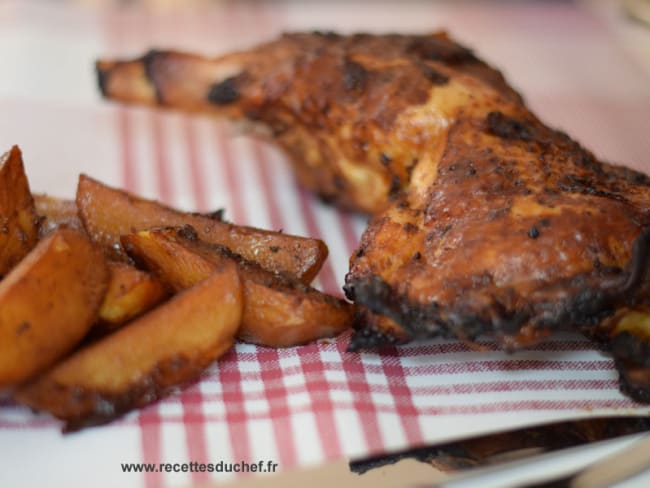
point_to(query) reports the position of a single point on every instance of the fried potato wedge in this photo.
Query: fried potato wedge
(108, 213)
(131, 292)
(18, 221)
(278, 311)
(142, 361)
(56, 212)
(48, 302)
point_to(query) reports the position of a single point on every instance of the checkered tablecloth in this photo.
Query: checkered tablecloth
(304, 405)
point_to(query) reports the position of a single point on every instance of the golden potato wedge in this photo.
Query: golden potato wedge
(131, 292)
(56, 212)
(142, 361)
(18, 221)
(48, 302)
(278, 311)
(108, 213)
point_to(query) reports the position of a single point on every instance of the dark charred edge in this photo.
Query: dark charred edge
(367, 335)
(637, 392)
(505, 127)
(508, 128)
(629, 347)
(572, 183)
(102, 79)
(430, 321)
(225, 92)
(326, 197)
(103, 407)
(434, 76)
(395, 186)
(217, 215)
(442, 50)
(354, 75)
(375, 294)
(148, 61)
(632, 176)
(348, 286)
(370, 338)
(188, 232)
(130, 256)
(461, 455)
(588, 306)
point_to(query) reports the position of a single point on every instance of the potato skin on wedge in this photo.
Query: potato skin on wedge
(142, 361)
(131, 292)
(48, 302)
(278, 311)
(18, 221)
(108, 213)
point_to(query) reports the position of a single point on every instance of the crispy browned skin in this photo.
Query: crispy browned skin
(348, 110)
(130, 293)
(48, 302)
(107, 213)
(372, 330)
(486, 221)
(18, 221)
(141, 362)
(278, 311)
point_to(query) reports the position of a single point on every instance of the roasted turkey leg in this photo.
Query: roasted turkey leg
(486, 222)
(356, 114)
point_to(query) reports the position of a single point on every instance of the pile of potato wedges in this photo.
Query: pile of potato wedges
(110, 301)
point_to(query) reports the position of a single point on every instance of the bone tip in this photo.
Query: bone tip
(102, 69)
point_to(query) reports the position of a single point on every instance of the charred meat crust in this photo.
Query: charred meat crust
(370, 333)
(307, 87)
(370, 338)
(354, 75)
(589, 299)
(436, 49)
(630, 347)
(635, 389)
(224, 92)
(433, 75)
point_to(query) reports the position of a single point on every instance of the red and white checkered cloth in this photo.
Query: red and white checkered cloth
(309, 404)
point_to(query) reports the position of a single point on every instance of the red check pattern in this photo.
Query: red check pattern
(309, 404)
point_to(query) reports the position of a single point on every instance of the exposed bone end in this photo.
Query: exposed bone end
(125, 81)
